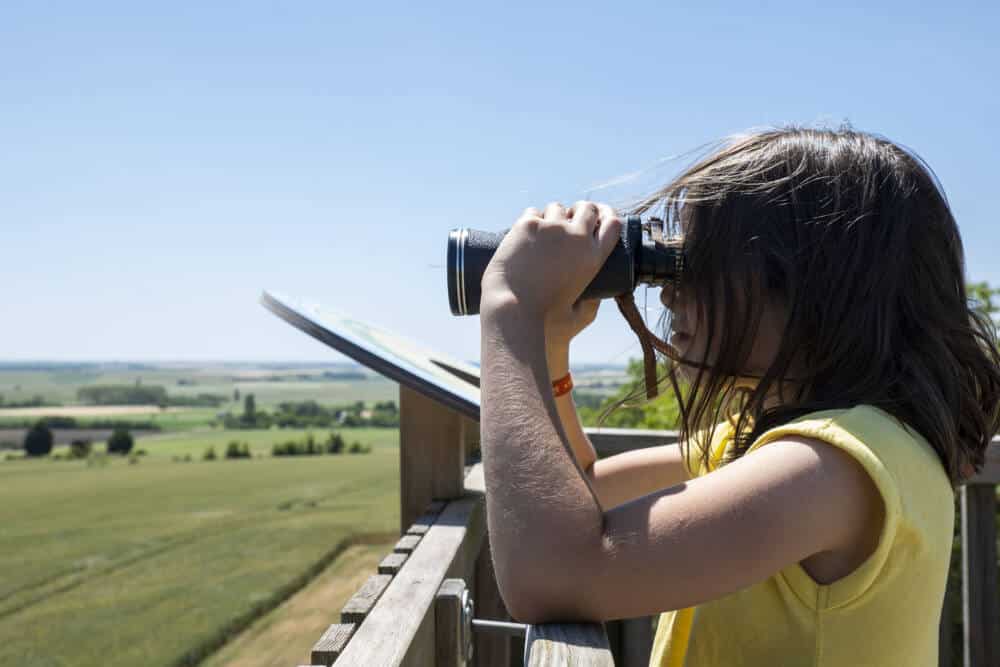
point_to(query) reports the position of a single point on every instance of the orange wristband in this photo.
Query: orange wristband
(563, 385)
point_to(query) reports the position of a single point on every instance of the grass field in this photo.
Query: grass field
(160, 562)
(286, 636)
(260, 441)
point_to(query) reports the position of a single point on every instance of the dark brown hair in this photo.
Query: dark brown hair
(854, 234)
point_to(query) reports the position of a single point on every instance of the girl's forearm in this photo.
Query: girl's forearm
(538, 500)
(583, 449)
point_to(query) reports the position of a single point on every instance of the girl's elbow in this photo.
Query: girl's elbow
(542, 591)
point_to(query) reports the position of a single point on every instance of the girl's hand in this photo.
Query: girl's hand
(546, 260)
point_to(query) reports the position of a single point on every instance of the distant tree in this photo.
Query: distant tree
(120, 442)
(334, 444)
(119, 394)
(80, 448)
(249, 409)
(985, 298)
(660, 413)
(237, 450)
(209, 454)
(236, 395)
(38, 440)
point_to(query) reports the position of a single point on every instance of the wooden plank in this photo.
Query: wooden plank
(392, 563)
(363, 601)
(471, 438)
(491, 650)
(449, 630)
(332, 643)
(464, 565)
(981, 608)
(421, 524)
(406, 544)
(400, 629)
(560, 644)
(431, 455)
(611, 441)
(475, 480)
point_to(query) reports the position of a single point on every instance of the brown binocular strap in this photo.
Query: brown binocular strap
(648, 340)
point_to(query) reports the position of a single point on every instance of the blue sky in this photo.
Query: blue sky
(159, 166)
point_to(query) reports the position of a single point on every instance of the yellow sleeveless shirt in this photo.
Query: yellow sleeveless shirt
(884, 613)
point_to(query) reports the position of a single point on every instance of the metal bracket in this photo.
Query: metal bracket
(468, 609)
(500, 627)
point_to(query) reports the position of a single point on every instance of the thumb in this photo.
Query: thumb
(585, 311)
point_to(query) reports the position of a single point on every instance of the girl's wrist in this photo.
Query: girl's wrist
(557, 356)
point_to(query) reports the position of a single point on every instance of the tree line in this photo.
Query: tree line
(38, 441)
(311, 414)
(140, 394)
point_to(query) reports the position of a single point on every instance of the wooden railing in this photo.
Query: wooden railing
(416, 609)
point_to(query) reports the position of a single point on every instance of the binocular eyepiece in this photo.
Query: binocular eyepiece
(642, 255)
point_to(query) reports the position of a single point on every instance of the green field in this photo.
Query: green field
(158, 562)
(269, 385)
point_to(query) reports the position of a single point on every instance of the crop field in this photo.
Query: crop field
(160, 562)
(331, 384)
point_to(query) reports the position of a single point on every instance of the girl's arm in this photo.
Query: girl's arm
(558, 554)
(623, 477)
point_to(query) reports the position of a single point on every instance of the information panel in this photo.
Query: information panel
(450, 381)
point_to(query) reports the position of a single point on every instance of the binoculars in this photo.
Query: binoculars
(642, 255)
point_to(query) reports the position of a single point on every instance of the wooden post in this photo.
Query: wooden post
(470, 436)
(490, 650)
(981, 609)
(331, 644)
(431, 454)
(449, 625)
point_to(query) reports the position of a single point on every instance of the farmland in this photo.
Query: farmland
(271, 384)
(164, 558)
(159, 562)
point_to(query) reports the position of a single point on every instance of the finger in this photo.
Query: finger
(609, 231)
(555, 212)
(530, 213)
(586, 216)
(606, 212)
(587, 310)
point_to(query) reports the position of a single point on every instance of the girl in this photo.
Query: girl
(834, 388)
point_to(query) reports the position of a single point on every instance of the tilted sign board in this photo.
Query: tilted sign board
(452, 382)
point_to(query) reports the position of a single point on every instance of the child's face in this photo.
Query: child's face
(690, 337)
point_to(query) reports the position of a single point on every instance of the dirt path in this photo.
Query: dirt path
(286, 635)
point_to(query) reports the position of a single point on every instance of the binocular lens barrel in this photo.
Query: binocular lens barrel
(637, 258)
